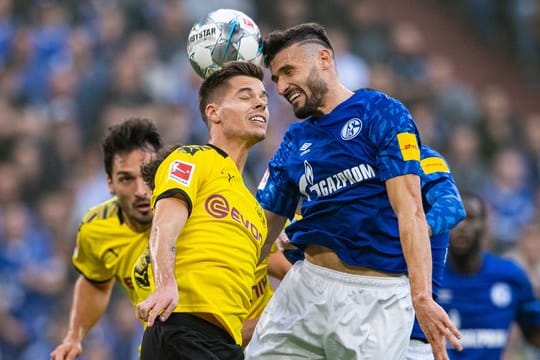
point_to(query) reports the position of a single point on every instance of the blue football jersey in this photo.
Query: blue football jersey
(337, 164)
(484, 305)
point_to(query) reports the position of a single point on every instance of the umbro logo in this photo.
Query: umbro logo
(304, 149)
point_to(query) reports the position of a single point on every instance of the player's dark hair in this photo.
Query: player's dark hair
(149, 169)
(303, 33)
(218, 80)
(131, 134)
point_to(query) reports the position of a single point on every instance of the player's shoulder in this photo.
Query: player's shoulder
(503, 265)
(373, 97)
(103, 211)
(197, 151)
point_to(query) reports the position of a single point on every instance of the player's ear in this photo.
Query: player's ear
(212, 113)
(110, 186)
(325, 58)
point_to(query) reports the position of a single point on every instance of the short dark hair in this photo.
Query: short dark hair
(218, 80)
(149, 169)
(280, 39)
(131, 134)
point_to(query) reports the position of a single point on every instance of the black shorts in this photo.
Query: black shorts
(185, 336)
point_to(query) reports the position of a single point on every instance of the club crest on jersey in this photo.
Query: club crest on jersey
(351, 129)
(501, 295)
(181, 172)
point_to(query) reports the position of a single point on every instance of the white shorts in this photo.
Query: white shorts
(318, 313)
(419, 350)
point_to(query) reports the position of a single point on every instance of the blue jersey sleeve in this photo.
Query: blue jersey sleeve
(444, 208)
(395, 136)
(528, 311)
(276, 192)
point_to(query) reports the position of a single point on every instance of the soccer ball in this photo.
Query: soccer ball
(223, 35)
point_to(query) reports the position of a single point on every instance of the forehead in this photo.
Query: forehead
(131, 160)
(248, 83)
(293, 55)
(473, 207)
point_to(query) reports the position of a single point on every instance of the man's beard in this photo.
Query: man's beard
(317, 89)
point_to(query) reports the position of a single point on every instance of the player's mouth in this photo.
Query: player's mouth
(143, 207)
(293, 95)
(259, 119)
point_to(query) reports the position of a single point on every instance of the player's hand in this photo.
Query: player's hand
(282, 241)
(247, 330)
(161, 303)
(68, 350)
(437, 327)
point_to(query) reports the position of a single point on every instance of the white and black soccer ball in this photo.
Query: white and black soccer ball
(223, 35)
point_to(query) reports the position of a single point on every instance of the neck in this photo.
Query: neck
(238, 151)
(467, 263)
(335, 96)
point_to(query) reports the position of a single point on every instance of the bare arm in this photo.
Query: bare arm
(275, 225)
(405, 198)
(90, 301)
(170, 216)
(278, 265)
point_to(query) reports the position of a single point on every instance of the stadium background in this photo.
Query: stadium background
(469, 70)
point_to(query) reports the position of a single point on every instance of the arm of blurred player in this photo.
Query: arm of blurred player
(405, 198)
(90, 301)
(170, 216)
(275, 226)
(278, 265)
(447, 209)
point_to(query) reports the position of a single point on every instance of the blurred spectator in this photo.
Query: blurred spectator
(408, 58)
(510, 198)
(454, 100)
(498, 126)
(468, 167)
(352, 69)
(532, 146)
(369, 35)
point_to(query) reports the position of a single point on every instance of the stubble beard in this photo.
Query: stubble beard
(317, 89)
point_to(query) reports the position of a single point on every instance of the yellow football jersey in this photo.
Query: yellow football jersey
(262, 291)
(107, 248)
(219, 246)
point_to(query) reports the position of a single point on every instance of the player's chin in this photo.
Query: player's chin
(143, 217)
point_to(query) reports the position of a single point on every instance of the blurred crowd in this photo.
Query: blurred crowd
(69, 69)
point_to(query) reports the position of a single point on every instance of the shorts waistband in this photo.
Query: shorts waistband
(362, 280)
(194, 322)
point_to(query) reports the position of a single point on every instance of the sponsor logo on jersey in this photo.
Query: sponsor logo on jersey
(478, 338)
(483, 338)
(218, 207)
(304, 149)
(181, 172)
(329, 185)
(500, 294)
(432, 165)
(259, 288)
(351, 129)
(408, 145)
